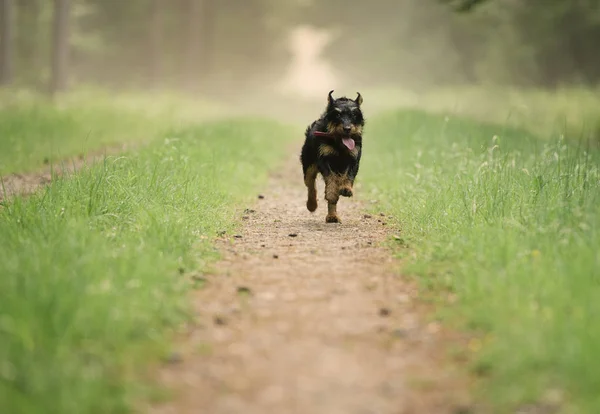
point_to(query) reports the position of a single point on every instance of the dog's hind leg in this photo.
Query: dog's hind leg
(310, 177)
(332, 195)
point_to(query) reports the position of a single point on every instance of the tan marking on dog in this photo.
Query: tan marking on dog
(325, 150)
(332, 185)
(356, 130)
(332, 216)
(333, 128)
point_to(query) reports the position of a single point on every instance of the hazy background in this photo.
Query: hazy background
(241, 49)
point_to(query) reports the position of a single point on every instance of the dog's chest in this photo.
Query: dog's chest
(331, 150)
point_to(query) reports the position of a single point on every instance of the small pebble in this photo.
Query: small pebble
(384, 312)
(243, 290)
(275, 256)
(174, 358)
(260, 196)
(238, 236)
(400, 333)
(367, 216)
(219, 320)
(462, 409)
(293, 234)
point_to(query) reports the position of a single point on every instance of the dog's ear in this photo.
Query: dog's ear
(359, 99)
(330, 98)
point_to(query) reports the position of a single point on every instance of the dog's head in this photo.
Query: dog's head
(344, 118)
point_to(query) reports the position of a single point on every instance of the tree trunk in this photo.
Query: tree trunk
(191, 41)
(199, 40)
(60, 50)
(6, 41)
(207, 19)
(29, 64)
(155, 32)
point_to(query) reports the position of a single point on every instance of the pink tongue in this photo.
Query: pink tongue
(348, 142)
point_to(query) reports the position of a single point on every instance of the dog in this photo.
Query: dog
(333, 148)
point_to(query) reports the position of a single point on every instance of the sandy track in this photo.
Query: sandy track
(306, 317)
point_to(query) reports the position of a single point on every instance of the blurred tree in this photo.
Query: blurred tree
(236, 45)
(416, 42)
(214, 44)
(28, 41)
(464, 5)
(540, 42)
(384, 41)
(199, 16)
(6, 41)
(60, 41)
(155, 34)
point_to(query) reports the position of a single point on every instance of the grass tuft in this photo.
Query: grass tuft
(95, 267)
(508, 224)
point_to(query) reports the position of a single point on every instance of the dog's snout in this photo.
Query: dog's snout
(347, 128)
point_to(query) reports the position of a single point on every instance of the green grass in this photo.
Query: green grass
(35, 132)
(510, 224)
(94, 267)
(574, 111)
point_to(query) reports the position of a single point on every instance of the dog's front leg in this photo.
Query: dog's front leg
(310, 178)
(345, 186)
(347, 181)
(332, 195)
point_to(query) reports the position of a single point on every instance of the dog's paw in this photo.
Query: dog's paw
(311, 204)
(332, 219)
(346, 192)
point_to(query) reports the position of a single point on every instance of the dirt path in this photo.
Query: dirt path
(307, 317)
(30, 182)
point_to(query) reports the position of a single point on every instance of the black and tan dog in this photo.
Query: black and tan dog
(333, 147)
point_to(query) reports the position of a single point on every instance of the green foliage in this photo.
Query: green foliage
(154, 42)
(508, 225)
(95, 267)
(389, 41)
(542, 42)
(422, 43)
(464, 5)
(233, 46)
